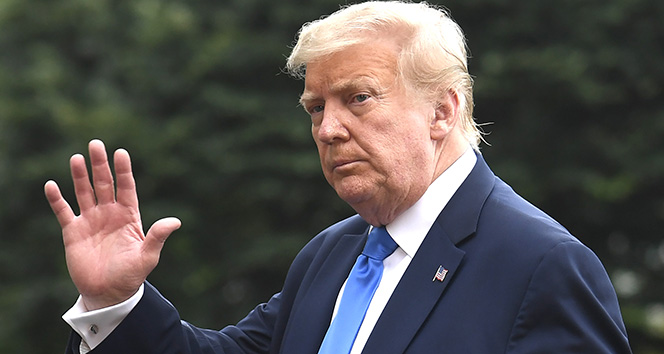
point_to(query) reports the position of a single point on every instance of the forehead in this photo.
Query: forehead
(357, 66)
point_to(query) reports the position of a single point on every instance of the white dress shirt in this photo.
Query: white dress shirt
(94, 326)
(408, 231)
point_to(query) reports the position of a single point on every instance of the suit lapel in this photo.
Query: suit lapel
(313, 307)
(418, 292)
(416, 295)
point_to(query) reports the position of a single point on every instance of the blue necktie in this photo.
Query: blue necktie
(360, 288)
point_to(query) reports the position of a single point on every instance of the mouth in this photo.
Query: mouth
(341, 165)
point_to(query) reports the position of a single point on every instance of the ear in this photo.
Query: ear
(446, 115)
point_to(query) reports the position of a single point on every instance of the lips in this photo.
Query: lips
(343, 164)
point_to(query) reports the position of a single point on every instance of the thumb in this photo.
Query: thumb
(159, 232)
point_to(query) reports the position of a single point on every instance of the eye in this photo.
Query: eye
(361, 97)
(316, 109)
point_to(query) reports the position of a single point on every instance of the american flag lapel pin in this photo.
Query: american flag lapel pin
(440, 274)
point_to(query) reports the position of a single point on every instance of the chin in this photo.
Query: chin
(352, 194)
(358, 188)
(352, 198)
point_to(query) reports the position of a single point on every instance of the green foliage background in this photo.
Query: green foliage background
(571, 92)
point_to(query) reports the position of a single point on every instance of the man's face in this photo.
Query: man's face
(373, 138)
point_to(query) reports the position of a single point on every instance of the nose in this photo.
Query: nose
(332, 127)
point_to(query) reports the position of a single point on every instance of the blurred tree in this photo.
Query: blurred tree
(195, 92)
(573, 91)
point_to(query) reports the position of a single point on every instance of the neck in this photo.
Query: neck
(447, 151)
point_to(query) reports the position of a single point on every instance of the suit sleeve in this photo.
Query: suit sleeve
(154, 326)
(570, 307)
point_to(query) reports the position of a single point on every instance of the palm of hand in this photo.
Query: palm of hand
(104, 251)
(108, 255)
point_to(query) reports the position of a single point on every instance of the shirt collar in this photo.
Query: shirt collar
(411, 227)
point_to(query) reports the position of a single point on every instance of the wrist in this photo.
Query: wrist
(95, 326)
(105, 300)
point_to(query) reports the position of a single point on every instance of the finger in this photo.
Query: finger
(125, 179)
(157, 235)
(102, 177)
(161, 229)
(85, 196)
(58, 204)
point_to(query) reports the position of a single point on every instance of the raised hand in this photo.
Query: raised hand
(108, 255)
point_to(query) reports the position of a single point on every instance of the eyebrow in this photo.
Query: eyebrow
(345, 85)
(307, 96)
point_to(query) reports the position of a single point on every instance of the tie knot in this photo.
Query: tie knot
(379, 244)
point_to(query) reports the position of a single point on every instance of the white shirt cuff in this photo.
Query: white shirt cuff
(94, 326)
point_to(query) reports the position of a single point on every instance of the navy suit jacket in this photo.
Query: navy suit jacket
(517, 282)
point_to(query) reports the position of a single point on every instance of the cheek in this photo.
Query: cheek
(322, 153)
(314, 134)
(410, 156)
(406, 144)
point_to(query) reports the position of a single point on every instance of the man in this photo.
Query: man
(473, 267)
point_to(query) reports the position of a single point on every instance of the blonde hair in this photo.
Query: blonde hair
(433, 57)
